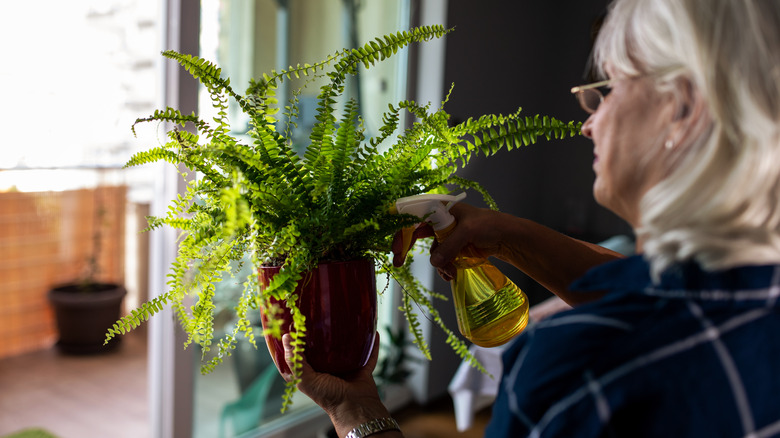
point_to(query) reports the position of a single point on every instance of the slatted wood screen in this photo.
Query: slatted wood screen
(46, 239)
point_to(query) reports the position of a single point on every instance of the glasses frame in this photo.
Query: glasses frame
(580, 90)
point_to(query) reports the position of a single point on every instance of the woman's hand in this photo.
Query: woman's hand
(477, 233)
(399, 252)
(350, 400)
(547, 256)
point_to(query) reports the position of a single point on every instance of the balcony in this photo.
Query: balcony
(94, 396)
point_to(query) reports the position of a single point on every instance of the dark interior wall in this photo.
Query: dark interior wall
(529, 53)
(502, 55)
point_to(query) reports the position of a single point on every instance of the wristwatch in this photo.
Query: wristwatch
(372, 427)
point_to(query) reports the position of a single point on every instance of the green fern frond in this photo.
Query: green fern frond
(473, 185)
(226, 345)
(151, 156)
(205, 71)
(137, 317)
(390, 120)
(180, 223)
(382, 48)
(242, 326)
(415, 293)
(272, 80)
(298, 342)
(411, 288)
(490, 133)
(170, 115)
(414, 326)
(334, 174)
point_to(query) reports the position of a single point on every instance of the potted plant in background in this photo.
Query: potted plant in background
(316, 226)
(85, 309)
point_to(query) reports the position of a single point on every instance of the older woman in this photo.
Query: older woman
(683, 339)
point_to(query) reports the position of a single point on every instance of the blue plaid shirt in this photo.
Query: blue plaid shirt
(697, 355)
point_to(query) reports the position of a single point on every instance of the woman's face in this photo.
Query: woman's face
(628, 131)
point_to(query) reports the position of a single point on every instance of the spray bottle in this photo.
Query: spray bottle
(489, 307)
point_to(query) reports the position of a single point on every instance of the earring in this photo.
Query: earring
(669, 144)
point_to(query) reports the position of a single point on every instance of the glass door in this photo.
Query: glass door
(247, 38)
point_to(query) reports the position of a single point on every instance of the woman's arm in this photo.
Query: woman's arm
(553, 259)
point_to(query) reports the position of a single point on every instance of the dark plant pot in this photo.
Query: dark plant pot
(338, 300)
(84, 314)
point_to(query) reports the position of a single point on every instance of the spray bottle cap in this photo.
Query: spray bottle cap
(429, 208)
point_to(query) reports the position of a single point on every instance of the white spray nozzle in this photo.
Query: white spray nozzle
(430, 208)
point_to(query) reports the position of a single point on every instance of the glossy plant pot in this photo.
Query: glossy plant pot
(338, 300)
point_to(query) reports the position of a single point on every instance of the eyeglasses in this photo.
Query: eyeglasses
(589, 95)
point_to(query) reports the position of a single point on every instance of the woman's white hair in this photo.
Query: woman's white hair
(720, 202)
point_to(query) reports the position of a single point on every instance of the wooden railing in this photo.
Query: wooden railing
(49, 238)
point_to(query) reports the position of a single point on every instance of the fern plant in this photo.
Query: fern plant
(261, 198)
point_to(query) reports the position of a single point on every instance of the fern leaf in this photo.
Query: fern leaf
(169, 115)
(151, 156)
(136, 317)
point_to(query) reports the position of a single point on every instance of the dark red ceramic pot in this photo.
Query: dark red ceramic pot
(339, 302)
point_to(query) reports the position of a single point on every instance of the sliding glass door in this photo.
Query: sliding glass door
(247, 38)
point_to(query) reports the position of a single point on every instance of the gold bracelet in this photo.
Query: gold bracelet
(372, 427)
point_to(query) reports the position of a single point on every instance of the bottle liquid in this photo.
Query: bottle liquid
(489, 307)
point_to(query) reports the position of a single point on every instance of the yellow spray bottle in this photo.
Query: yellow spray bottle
(490, 308)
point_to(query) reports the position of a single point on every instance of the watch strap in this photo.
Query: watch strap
(372, 427)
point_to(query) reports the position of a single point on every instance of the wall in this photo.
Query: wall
(507, 54)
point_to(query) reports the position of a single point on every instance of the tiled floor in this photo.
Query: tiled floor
(105, 396)
(97, 396)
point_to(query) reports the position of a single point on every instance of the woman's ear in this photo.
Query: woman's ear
(687, 97)
(690, 113)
